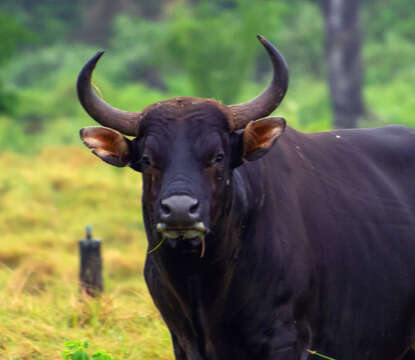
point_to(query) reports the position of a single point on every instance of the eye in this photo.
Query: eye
(218, 159)
(145, 161)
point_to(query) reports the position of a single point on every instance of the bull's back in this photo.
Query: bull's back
(354, 193)
(365, 246)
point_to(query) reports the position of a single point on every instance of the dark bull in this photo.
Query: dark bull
(310, 247)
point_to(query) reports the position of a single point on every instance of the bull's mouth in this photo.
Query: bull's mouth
(193, 236)
(185, 232)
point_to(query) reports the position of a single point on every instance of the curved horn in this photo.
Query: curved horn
(123, 121)
(265, 103)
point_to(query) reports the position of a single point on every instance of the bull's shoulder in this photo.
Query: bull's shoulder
(352, 156)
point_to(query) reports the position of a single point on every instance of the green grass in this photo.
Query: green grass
(46, 201)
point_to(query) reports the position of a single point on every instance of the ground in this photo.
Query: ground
(46, 200)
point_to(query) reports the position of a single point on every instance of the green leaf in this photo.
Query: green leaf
(80, 355)
(102, 355)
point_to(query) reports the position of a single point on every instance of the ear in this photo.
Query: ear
(109, 145)
(260, 135)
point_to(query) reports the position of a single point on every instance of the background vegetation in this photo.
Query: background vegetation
(51, 187)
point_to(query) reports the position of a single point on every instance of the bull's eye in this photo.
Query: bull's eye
(219, 158)
(145, 161)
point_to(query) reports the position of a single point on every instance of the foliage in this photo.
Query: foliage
(13, 35)
(202, 48)
(301, 38)
(50, 20)
(390, 59)
(216, 47)
(137, 45)
(77, 350)
(8, 100)
(49, 108)
(397, 18)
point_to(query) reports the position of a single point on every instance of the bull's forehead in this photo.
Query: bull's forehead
(187, 111)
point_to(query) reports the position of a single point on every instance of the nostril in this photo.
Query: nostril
(193, 209)
(165, 209)
(179, 210)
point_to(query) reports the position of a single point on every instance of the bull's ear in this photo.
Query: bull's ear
(260, 135)
(109, 145)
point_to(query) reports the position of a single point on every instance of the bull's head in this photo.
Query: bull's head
(186, 149)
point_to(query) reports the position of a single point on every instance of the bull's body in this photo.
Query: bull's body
(266, 250)
(316, 250)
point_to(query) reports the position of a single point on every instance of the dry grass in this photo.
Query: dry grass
(45, 203)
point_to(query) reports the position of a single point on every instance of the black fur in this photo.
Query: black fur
(310, 247)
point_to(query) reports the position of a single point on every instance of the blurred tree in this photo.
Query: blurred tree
(12, 35)
(397, 17)
(300, 35)
(51, 20)
(208, 48)
(138, 42)
(88, 21)
(343, 53)
(389, 41)
(216, 46)
(98, 17)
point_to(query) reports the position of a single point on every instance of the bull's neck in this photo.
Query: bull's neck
(228, 228)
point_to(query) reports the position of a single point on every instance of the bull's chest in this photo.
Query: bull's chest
(226, 325)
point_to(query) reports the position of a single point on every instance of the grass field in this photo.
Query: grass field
(45, 202)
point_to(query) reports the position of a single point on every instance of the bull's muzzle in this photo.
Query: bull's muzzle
(180, 219)
(179, 212)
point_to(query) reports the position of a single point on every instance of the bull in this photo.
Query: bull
(266, 249)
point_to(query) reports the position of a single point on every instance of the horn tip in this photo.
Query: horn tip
(264, 42)
(92, 63)
(262, 39)
(97, 56)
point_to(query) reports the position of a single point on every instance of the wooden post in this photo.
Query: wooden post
(90, 273)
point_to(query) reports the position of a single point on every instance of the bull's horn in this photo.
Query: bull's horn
(265, 103)
(123, 121)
